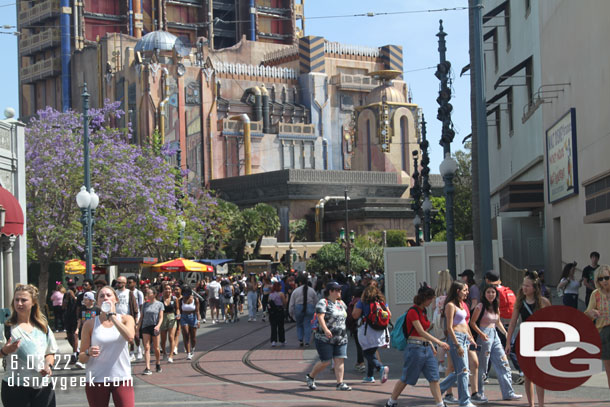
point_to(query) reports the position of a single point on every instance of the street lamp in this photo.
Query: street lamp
(87, 202)
(425, 179)
(448, 168)
(347, 243)
(416, 195)
(182, 225)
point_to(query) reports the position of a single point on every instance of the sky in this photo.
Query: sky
(414, 31)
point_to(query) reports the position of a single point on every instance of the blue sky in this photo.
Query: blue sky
(415, 32)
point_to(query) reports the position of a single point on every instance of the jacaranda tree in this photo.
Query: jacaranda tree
(137, 213)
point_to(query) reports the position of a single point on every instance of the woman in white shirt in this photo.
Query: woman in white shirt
(301, 308)
(104, 350)
(569, 285)
(29, 348)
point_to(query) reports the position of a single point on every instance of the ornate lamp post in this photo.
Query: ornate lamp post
(347, 244)
(416, 195)
(448, 166)
(87, 200)
(448, 169)
(182, 225)
(425, 184)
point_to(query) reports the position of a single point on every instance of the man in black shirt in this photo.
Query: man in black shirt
(588, 275)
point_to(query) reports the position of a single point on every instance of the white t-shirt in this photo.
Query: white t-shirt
(29, 358)
(139, 297)
(214, 290)
(572, 287)
(123, 306)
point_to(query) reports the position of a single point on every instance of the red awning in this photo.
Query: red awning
(13, 224)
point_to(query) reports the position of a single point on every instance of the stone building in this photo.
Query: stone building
(313, 105)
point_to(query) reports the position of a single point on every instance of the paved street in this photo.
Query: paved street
(235, 365)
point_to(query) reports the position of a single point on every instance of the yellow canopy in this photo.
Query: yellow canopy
(76, 266)
(179, 265)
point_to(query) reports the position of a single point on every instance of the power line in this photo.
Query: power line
(373, 14)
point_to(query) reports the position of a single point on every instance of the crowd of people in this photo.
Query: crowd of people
(109, 327)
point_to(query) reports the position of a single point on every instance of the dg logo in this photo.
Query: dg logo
(559, 348)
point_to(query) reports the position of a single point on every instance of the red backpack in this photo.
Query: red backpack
(379, 316)
(507, 301)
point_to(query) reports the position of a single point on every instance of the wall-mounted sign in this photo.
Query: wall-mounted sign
(192, 95)
(561, 160)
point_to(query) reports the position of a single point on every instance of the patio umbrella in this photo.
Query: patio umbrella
(76, 266)
(179, 265)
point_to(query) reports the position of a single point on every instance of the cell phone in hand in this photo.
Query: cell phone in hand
(474, 347)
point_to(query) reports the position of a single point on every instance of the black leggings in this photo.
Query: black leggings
(27, 396)
(276, 320)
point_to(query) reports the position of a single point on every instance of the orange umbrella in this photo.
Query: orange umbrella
(76, 266)
(179, 265)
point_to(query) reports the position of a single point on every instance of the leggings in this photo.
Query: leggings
(99, 395)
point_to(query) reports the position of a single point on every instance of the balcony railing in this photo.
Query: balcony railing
(236, 128)
(29, 44)
(40, 12)
(296, 130)
(41, 70)
(354, 82)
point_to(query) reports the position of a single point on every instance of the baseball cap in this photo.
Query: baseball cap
(467, 272)
(333, 285)
(89, 296)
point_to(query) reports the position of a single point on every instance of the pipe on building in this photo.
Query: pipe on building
(131, 17)
(209, 120)
(66, 102)
(162, 105)
(266, 115)
(320, 215)
(137, 11)
(76, 31)
(247, 142)
(160, 14)
(258, 107)
(252, 21)
(211, 24)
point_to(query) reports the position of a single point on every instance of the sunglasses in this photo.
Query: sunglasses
(600, 279)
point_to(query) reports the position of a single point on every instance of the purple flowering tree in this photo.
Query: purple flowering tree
(137, 214)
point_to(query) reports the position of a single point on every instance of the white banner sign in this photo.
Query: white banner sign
(562, 169)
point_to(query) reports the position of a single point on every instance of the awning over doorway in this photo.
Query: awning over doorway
(13, 223)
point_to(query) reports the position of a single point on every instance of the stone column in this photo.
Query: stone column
(7, 259)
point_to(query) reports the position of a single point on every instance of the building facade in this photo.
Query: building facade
(549, 183)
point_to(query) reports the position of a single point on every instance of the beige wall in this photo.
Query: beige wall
(580, 56)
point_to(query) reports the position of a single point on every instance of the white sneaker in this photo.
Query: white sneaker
(170, 360)
(254, 319)
(189, 356)
(273, 344)
(176, 350)
(80, 365)
(140, 355)
(132, 357)
(213, 322)
(249, 319)
(203, 321)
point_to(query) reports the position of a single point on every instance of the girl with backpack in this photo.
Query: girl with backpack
(529, 300)
(277, 301)
(301, 308)
(460, 338)
(419, 355)
(485, 320)
(372, 306)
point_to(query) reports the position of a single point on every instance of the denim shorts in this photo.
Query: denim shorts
(419, 359)
(188, 319)
(328, 351)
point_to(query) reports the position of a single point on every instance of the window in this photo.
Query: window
(368, 144)
(404, 144)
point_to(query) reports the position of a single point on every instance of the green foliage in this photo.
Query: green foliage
(251, 225)
(298, 230)
(394, 237)
(331, 258)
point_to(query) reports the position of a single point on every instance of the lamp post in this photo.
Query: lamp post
(425, 182)
(448, 169)
(449, 165)
(347, 243)
(87, 200)
(182, 225)
(416, 195)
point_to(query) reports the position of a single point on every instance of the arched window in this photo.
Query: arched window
(403, 144)
(368, 144)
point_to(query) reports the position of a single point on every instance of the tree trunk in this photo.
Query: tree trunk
(43, 284)
(476, 228)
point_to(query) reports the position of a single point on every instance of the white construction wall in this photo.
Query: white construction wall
(407, 267)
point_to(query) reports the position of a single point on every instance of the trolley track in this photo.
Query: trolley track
(246, 361)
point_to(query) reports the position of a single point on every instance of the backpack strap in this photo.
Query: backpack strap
(404, 325)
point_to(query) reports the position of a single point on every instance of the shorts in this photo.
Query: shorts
(328, 351)
(149, 330)
(419, 359)
(226, 301)
(169, 322)
(605, 337)
(188, 319)
(214, 302)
